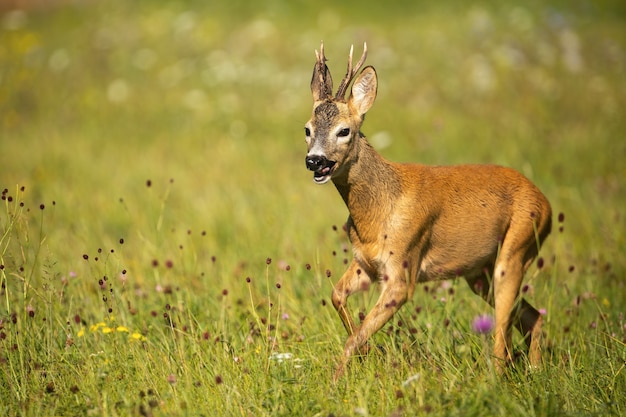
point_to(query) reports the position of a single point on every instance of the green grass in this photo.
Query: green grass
(165, 144)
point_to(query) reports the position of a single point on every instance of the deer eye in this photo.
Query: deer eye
(307, 132)
(343, 132)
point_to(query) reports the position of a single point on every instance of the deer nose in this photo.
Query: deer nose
(316, 162)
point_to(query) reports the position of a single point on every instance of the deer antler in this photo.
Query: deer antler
(350, 73)
(322, 82)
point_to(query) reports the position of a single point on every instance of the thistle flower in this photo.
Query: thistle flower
(482, 324)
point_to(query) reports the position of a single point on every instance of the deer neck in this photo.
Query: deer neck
(368, 186)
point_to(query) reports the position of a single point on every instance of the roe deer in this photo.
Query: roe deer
(412, 223)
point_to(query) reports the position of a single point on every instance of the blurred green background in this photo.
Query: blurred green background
(97, 97)
(180, 123)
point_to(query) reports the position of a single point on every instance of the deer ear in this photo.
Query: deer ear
(364, 91)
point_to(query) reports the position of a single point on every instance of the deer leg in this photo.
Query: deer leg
(524, 317)
(352, 281)
(506, 284)
(519, 248)
(392, 297)
(529, 321)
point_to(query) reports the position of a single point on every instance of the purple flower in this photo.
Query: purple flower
(483, 324)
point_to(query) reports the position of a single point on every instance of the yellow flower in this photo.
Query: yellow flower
(122, 329)
(81, 332)
(606, 302)
(138, 336)
(107, 330)
(97, 326)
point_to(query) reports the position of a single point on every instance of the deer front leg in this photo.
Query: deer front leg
(392, 297)
(352, 281)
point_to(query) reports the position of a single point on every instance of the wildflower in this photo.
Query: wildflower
(95, 327)
(482, 324)
(138, 336)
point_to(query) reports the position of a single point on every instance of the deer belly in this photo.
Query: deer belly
(456, 260)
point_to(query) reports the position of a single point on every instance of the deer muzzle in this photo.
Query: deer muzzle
(321, 166)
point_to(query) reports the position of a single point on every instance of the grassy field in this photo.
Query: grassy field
(164, 251)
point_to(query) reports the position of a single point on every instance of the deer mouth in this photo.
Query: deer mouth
(321, 166)
(323, 174)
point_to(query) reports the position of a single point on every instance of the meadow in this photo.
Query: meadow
(165, 252)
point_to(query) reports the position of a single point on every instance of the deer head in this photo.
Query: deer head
(335, 123)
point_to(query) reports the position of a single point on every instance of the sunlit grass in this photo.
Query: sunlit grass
(163, 250)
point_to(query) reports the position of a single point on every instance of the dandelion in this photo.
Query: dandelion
(482, 324)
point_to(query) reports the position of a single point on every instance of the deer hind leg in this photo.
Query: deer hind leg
(524, 317)
(529, 321)
(518, 250)
(510, 309)
(507, 279)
